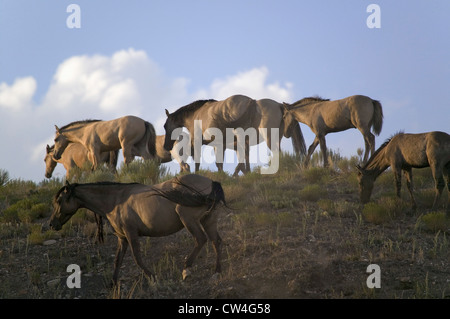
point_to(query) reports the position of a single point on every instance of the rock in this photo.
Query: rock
(49, 242)
(186, 273)
(53, 282)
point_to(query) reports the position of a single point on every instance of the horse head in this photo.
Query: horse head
(50, 163)
(61, 143)
(289, 122)
(64, 206)
(172, 128)
(366, 181)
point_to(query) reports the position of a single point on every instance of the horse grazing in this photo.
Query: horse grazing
(240, 114)
(131, 133)
(135, 210)
(75, 155)
(404, 152)
(324, 116)
(165, 156)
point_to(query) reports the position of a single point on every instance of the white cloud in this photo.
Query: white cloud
(17, 96)
(251, 83)
(104, 87)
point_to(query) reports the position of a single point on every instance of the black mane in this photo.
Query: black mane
(308, 100)
(78, 122)
(382, 146)
(188, 109)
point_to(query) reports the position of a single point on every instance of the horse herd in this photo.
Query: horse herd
(190, 200)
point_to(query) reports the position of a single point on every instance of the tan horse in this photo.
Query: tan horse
(131, 133)
(325, 116)
(404, 152)
(75, 155)
(136, 210)
(165, 156)
(235, 112)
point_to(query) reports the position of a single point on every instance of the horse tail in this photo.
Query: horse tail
(377, 118)
(298, 141)
(150, 137)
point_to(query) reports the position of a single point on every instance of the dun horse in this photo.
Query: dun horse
(131, 133)
(75, 155)
(404, 152)
(235, 112)
(325, 116)
(135, 210)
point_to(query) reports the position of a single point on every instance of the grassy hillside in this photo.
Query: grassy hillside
(300, 233)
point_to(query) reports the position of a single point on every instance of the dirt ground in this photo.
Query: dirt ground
(269, 251)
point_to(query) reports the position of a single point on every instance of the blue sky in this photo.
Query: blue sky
(143, 56)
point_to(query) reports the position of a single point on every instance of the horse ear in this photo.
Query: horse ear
(167, 113)
(57, 129)
(67, 183)
(285, 105)
(359, 168)
(48, 149)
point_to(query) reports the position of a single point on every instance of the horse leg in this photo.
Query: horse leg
(369, 142)
(397, 179)
(437, 171)
(188, 216)
(128, 154)
(122, 245)
(311, 149)
(409, 184)
(209, 224)
(133, 239)
(323, 148)
(219, 161)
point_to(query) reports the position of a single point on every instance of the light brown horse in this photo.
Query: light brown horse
(404, 152)
(75, 155)
(136, 210)
(325, 116)
(131, 133)
(237, 112)
(165, 156)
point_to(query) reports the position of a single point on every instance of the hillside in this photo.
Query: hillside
(300, 233)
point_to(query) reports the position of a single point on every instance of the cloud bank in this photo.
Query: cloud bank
(103, 87)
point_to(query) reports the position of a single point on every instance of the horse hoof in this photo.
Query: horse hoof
(186, 273)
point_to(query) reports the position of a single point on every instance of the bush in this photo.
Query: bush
(375, 213)
(312, 193)
(435, 221)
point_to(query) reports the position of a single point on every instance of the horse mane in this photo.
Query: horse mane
(70, 187)
(188, 109)
(193, 197)
(78, 122)
(308, 100)
(381, 148)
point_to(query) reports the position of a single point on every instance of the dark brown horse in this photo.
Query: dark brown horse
(136, 210)
(324, 116)
(404, 152)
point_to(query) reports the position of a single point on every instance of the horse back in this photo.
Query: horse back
(234, 111)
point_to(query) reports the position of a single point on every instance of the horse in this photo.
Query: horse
(165, 156)
(402, 152)
(75, 155)
(131, 133)
(134, 210)
(324, 116)
(239, 113)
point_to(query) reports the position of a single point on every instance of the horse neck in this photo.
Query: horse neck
(96, 198)
(378, 163)
(75, 134)
(303, 113)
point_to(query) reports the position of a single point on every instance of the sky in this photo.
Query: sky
(141, 57)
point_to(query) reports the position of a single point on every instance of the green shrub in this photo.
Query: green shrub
(375, 213)
(436, 221)
(312, 193)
